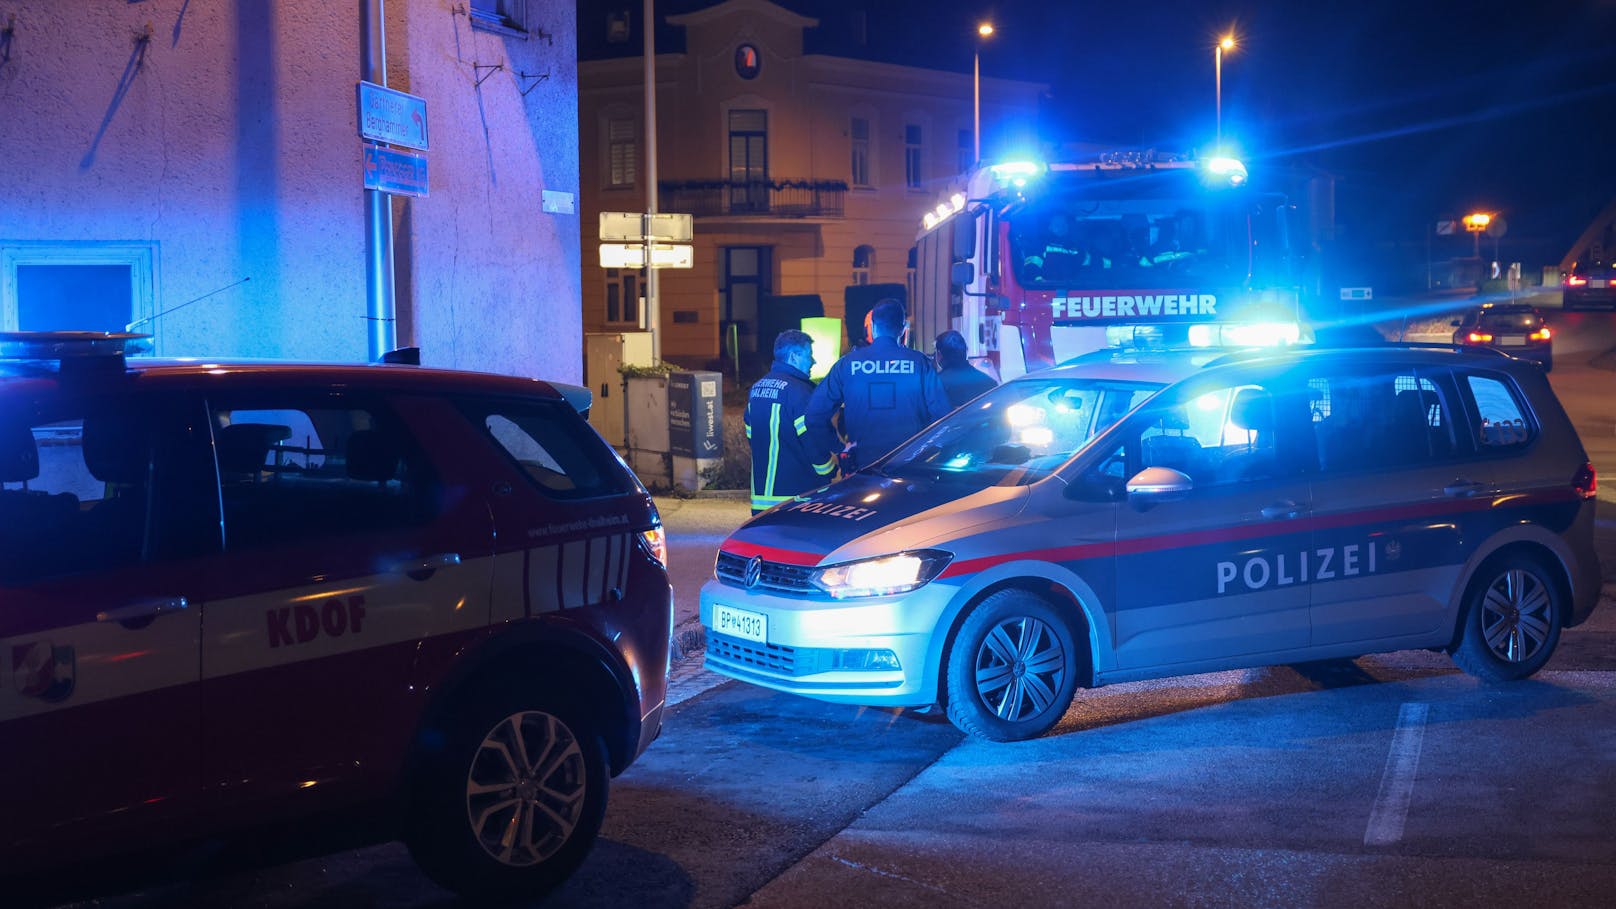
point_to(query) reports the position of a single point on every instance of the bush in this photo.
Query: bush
(734, 471)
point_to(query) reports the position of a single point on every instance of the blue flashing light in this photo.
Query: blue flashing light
(1229, 169)
(1017, 169)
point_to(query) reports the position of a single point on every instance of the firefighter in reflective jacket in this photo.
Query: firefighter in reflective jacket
(886, 392)
(785, 459)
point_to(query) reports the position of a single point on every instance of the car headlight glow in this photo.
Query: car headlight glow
(882, 576)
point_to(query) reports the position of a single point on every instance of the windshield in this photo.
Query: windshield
(1131, 230)
(1017, 433)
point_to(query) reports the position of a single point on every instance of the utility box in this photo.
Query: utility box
(649, 446)
(605, 353)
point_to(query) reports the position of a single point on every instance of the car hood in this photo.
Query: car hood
(869, 515)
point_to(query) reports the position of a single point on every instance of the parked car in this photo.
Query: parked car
(1589, 285)
(243, 595)
(1517, 329)
(1139, 515)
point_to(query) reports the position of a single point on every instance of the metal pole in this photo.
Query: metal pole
(976, 104)
(379, 304)
(1217, 67)
(653, 314)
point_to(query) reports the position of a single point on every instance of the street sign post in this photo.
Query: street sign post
(391, 116)
(633, 227)
(395, 172)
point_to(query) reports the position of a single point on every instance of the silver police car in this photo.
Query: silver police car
(1139, 515)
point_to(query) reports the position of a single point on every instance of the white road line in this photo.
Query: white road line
(1397, 781)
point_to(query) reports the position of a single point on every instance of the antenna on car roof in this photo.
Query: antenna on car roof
(153, 318)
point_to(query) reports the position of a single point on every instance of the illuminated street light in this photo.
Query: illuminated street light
(982, 31)
(1475, 223)
(1225, 43)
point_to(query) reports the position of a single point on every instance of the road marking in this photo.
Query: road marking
(1397, 781)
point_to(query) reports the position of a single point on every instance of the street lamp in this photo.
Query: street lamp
(982, 31)
(1475, 223)
(1224, 43)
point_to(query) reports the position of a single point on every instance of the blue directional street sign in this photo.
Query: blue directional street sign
(399, 173)
(391, 116)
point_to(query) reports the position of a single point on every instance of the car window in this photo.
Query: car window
(1366, 420)
(1501, 419)
(93, 488)
(290, 472)
(1519, 320)
(555, 449)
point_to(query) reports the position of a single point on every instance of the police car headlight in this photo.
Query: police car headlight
(884, 576)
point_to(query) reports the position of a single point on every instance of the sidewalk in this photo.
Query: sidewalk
(696, 527)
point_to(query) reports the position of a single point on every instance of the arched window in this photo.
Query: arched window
(863, 263)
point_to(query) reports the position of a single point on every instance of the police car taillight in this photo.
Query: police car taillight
(1586, 482)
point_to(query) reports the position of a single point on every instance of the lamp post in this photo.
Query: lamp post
(1224, 43)
(982, 31)
(1475, 223)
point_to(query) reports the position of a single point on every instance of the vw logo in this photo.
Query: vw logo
(754, 571)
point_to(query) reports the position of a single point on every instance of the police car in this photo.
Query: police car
(234, 595)
(1139, 515)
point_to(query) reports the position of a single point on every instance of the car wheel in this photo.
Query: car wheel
(1012, 670)
(514, 801)
(1511, 621)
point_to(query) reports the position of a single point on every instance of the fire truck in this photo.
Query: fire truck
(1037, 263)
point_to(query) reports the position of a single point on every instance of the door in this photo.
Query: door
(350, 542)
(1394, 501)
(746, 283)
(1217, 572)
(105, 521)
(748, 161)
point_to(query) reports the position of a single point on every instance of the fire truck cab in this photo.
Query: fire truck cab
(1038, 263)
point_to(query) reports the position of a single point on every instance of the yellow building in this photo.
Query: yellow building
(805, 172)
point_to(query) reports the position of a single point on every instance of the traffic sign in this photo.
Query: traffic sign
(632, 255)
(391, 116)
(1357, 293)
(1445, 228)
(632, 227)
(396, 172)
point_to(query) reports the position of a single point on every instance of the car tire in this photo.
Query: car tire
(493, 822)
(1511, 620)
(1012, 670)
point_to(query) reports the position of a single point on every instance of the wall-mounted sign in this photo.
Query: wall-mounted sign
(396, 172)
(748, 62)
(391, 116)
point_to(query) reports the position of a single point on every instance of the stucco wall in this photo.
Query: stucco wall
(225, 143)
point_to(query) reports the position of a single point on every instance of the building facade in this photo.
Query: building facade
(805, 172)
(196, 169)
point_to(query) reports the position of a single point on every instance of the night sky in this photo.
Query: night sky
(1423, 109)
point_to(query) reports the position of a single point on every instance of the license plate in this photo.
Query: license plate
(1512, 340)
(738, 623)
(1596, 282)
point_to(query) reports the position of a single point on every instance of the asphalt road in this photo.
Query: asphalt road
(1392, 780)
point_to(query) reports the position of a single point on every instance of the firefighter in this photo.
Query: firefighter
(961, 380)
(886, 393)
(785, 461)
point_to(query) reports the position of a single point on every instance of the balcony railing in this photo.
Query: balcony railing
(765, 198)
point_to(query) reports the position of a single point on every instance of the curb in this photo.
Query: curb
(689, 641)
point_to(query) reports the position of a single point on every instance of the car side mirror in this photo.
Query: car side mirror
(1158, 484)
(961, 274)
(1454, 323)
(964, 246)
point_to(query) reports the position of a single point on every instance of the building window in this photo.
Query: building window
(622, 153)
(860, 131)
(863, 263)
(79, 287)
(911, 156)
(749, 160)
(500, 15)
(967, 151)
(617, 27)
(623, 296)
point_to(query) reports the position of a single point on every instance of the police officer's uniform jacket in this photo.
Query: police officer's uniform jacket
(887, 392)
(785, 459)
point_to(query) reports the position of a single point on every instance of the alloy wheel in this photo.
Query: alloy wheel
(1515, 618)
(525, 791)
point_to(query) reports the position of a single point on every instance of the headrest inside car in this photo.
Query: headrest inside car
(372, 456)
(19, 455)
(1253, 410)
(244, 447)
(115, 448)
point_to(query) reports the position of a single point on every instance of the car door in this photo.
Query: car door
(1215, 572)
(1391, 491)
(350, 551)
(104, 523)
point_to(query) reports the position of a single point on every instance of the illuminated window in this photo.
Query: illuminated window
(622, 152)
(623, 296)
(860, 132)
(911, 156)
(76, 287)
(863, 263)
(500, 15)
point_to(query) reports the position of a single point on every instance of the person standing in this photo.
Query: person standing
(785, 461)
(961, 380)
(885, 392)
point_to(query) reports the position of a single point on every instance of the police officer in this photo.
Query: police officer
(961, 380)
(784, 459)
(885, 391)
